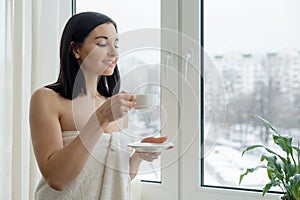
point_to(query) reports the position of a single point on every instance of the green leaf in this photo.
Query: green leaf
(298, 155)
(266, 122)
(284, 142)
(285, 161)
(289, 171)
(297, 149)
(295, 185)
(274, 168)
(250, 170)
(252, 147)
(261, 146)
(268, 186)
(282, 171)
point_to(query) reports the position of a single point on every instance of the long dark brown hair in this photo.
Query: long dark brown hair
(76, 30)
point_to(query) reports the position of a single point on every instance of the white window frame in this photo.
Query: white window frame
(168, 188)
(181, 179)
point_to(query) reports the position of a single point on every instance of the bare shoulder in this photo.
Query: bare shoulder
(45, 99)
(44, 114)
(44, 93)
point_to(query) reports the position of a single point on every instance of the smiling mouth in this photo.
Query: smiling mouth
(109, 63)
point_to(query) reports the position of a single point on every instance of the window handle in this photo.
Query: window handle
(188, 59)
(169, 58)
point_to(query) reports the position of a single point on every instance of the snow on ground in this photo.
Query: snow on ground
(225, 163)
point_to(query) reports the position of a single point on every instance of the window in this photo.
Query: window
(138, 22)
(255, 48)
(246, 44)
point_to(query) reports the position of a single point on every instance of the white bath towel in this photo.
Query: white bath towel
(104, 177)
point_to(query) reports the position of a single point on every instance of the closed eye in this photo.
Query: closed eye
(101, 45)
(116, 43)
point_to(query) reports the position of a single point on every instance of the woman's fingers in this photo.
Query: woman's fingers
(126, 96)
(150, 156)
(117, 106)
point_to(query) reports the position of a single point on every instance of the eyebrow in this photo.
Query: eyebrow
(101, 37)
(117, 39)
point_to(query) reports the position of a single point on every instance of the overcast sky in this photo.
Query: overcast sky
(249, 26)
(132, 14)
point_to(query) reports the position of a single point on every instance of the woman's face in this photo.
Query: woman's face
(98, 54)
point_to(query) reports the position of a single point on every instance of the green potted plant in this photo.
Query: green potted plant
(283, 171)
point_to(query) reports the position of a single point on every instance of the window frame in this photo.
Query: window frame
(189, 18)
(191, 188)
(178, 179)
(168, 188)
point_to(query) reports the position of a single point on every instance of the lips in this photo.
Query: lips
(109, 63)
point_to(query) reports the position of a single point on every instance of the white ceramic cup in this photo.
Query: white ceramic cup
(145, 101)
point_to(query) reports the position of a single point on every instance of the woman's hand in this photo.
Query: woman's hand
(136, 159)
(114, 108)
(147, 156)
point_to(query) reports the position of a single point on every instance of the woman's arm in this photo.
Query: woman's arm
(60, 165)
(136, 159)
(134, 162)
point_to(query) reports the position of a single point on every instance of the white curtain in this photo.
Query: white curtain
(30, 31)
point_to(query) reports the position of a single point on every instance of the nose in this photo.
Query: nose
(113, 51)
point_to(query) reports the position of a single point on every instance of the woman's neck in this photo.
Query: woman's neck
(91, 82)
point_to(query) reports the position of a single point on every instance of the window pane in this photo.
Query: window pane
(139, 68)
(255, 47)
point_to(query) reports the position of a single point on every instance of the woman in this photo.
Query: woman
(75, 123)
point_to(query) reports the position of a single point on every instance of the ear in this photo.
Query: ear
(75, 50)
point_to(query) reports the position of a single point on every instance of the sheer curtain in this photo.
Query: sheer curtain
(29, 58)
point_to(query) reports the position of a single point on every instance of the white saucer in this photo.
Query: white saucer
(150, 147)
